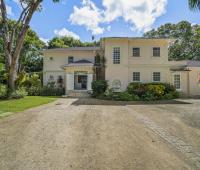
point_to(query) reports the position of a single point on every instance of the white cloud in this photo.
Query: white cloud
(140, 14)
(89, 16)
(9, 10)
(65, 32)
(45, 40)
(108, 28)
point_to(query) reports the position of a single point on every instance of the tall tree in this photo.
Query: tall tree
(194, 4)
(13, 39)
(186, 45)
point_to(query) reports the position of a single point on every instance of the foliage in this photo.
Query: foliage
(17, 94)
(3, 91)
(99, 87)
(156, 90)
(109, 94)
(29, 80)
(186, 45)
(14, 36)
(141, 91)
(64, 41)
(153, 91)
(31, 56)
(47, 91)
(51, 90)
(194, 4)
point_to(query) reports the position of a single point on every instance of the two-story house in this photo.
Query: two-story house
(127, 60)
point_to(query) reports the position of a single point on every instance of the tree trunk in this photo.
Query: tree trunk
(12, 72)
(12, 79)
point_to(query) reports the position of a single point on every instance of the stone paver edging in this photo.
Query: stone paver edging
(175, 141)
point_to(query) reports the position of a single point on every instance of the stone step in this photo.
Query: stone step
(78, 94)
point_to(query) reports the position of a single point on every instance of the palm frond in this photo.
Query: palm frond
(194, 4)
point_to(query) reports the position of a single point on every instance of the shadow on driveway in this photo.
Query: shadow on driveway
(92, 101)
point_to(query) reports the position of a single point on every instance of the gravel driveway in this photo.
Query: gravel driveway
(74, 134)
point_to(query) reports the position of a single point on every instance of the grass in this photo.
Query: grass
(8, 107)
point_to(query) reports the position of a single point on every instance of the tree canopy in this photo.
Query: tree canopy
(186, 45)
(62, 42)
(30, 60)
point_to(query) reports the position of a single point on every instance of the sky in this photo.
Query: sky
(104, 18)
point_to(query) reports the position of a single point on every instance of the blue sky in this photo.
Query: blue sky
(103, 18)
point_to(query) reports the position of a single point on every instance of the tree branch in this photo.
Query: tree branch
(5, 32)
(19, 43)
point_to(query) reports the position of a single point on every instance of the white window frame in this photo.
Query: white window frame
(174, 80)
(153, 76)
(139, 76)
(116, 55)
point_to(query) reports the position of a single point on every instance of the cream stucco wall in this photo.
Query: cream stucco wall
(194, 76)
(146, 64)
(60, 58)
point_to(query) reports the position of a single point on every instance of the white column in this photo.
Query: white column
(89, 81)
(70, 82)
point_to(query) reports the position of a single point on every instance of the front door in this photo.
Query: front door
(80, 82)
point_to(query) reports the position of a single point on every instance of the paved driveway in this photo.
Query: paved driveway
(87, 134)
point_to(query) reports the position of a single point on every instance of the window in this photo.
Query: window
(156, 51)
(156, 76)
(177, 81)
(116, 55)
(136, 52)
(136, 76)
(70, 59)
(51, 58)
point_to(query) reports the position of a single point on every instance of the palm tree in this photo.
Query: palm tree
(194, 4)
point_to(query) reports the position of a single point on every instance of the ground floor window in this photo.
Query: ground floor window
(136, 76)
(156, 76)
(177, 81)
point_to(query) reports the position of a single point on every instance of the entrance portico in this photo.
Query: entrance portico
(79, 76)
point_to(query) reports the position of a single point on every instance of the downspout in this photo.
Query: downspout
(188, 82)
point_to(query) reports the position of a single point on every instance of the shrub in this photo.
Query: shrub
(151, 91)
(141, 91)
(52, 91)
(99, 87)
(133, 86)
(17, 94)
(125, 96)
(157, 90)
(32, 83)
(148, 96)
(34, 91)
(3, 91)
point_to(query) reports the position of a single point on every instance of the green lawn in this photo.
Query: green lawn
(8, 107)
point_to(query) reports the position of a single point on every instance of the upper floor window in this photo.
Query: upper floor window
(156, 51)
(136, 76)
(156, 76)
(136, 52)
(70, 59)
(116, 55)
(177, 81)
